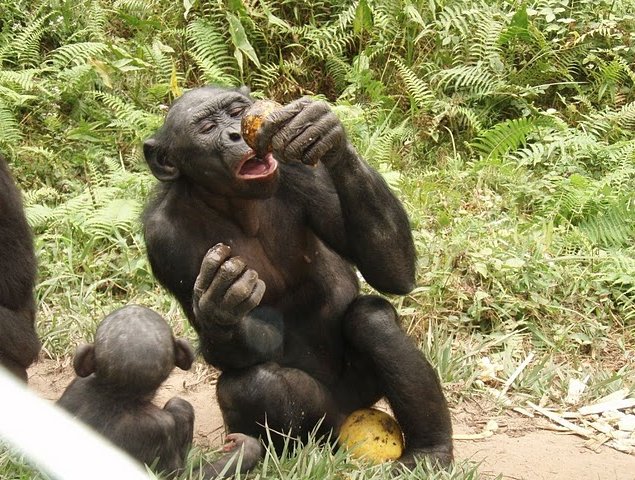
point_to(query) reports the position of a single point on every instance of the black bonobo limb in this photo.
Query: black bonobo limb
(19, 344)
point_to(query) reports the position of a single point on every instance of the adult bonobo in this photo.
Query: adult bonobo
(118, 375)
(19, 344)
(224, 224)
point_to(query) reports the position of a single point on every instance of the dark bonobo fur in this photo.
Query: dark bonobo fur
(118, 375)
(261, 250)
(19, 344)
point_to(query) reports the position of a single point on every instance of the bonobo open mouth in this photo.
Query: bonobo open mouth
(252, 167)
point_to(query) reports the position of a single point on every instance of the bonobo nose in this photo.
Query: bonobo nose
(235, 136)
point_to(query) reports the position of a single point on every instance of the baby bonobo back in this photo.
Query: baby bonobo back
(117, 376)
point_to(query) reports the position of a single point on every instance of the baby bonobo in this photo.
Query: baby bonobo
(118, 375)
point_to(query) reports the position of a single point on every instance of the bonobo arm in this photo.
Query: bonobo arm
(377, 236)
(235, 332)
(376, 225)
(19, 340)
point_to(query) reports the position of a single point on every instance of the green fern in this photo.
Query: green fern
(76, 53)
(615, 227)
(505, 136)
(24, 46)
(11, 133)
(18, 80)
(210, 51)
(339, 70)
(418, 89)
(462, 18)
(138, 122)
(471, 79)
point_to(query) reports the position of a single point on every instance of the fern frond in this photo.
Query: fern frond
(339, 70)
(416, 87)
(460, 18)
(75, 76)
(625, 117)
(140, 8)
(136, 121)
(534, 153)
(76, 53)
(465, 117)
(11, 133)
(473, 79)
(25, 45)
(209, 49)
(266, 77)
(96, 18)
(158, 55)
(11, 97)
(612, 228)
(382, 149)
(485, 45)
(119, 214)
(23, 79)
(505, 136)
(331, 39)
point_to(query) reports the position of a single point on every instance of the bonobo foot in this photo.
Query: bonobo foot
(439, 456)
(241, 453)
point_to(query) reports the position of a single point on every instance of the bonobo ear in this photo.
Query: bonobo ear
(183, 354)
(84, 361)
(161, 166)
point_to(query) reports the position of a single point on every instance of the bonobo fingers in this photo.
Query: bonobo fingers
(225, 289)
(330, 141)
(276, 120)
(244, 294)
(228, 273)
(212, 261)
(304, 131)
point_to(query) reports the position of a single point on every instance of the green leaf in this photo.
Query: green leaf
(514, 262)
(187, 5)
(240, 41)
(363, 17)
(520, 19)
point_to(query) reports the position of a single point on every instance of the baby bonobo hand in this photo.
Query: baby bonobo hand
(225, 289)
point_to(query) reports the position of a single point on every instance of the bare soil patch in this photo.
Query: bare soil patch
(520, 449)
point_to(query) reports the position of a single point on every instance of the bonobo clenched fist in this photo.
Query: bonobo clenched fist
(260, 247)
(226, 289)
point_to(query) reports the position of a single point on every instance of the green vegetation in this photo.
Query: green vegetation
(507, 129)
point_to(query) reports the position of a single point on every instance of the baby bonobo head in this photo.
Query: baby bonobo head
(134, 351)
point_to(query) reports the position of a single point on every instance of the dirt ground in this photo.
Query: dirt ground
(520, 449)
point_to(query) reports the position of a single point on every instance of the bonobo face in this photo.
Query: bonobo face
(201, 141)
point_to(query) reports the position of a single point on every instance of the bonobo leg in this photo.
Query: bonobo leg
(287, 400)
(20, 343)
(398, 368)
(183, 414)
